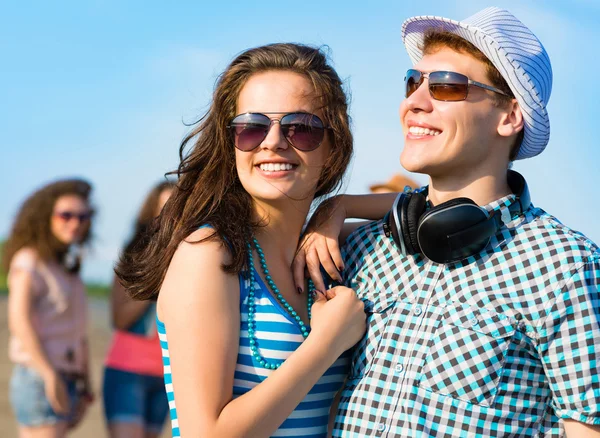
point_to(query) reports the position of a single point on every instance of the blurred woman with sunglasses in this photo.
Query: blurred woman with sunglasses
(135, 401)
(47, 309)
(245, 352)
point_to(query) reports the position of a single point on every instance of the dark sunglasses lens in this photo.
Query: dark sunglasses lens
(67, 216)
(303, 131)
(412, 81)
(249, 130)
(448, 86)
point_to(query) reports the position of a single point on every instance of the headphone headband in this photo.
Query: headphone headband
(454, 230)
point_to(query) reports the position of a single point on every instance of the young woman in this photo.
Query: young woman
(135, 401)
(47, 309)
(245, 353)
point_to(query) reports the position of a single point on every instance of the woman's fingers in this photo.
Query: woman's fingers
(330, 293)
(326, 261)
(298, 266)
(334, 250)
(60, 403)
(316, 251)
(314, 268)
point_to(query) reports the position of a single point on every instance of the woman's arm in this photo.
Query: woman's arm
(575, 429)
(372, 206)
(199, 304)
(124, 310)
(19, 321)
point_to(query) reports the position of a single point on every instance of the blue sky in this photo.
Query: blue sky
(101, 89)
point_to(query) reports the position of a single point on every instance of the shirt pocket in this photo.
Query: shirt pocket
(378, 315)
(467, 355)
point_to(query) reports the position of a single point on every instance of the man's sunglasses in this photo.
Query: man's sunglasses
(303, 131)
(69, 215)
(447, 86)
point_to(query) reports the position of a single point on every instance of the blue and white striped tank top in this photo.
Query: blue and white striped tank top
(278, 335)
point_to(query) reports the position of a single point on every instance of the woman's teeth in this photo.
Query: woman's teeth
(416, 130)
(275, 167)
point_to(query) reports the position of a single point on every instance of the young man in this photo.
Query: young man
(483, 315)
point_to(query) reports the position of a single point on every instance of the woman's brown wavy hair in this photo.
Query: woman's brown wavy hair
(31, 227)
(209, 190)
(147, 213)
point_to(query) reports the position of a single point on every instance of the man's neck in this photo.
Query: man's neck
(481, 188)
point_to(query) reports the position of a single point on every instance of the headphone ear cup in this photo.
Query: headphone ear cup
(432, 212)
(454, 230)
(412, 210)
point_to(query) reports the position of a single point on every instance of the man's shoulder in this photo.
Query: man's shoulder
(364, 238)
(545, 229)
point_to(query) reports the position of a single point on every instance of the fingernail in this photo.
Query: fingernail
(340, 268)
(300, 290)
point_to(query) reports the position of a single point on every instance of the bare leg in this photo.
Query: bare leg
(150, 434)
(58, 430)
(126, 430)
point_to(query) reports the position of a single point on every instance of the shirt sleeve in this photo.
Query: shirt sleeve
(568, 346)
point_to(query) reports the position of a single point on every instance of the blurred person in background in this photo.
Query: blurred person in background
(397, 183)
(47, 309)
(135, 401)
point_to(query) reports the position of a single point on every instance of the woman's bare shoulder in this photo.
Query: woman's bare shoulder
(196, 271)
(25, 258)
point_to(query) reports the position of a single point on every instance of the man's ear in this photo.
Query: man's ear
(511, 122)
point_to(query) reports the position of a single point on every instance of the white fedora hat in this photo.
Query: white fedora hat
(514, 50)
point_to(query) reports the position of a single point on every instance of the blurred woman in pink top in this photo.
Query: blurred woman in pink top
(47, 309)
(135, 401)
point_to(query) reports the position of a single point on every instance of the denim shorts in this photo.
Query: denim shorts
(135, 398)
(29, 402)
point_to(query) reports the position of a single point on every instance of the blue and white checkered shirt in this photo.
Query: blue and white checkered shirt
(504, 343)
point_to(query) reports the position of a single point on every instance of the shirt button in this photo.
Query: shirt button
(399, 368)
(474, 322)
(380, 427)
(418, 310)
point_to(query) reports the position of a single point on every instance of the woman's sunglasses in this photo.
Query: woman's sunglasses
(303, 131)
(69, 215)
(447, 86)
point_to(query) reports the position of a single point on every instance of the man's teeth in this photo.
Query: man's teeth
(275, 167)
(416, 130)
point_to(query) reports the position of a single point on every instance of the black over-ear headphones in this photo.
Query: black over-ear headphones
(452, 231)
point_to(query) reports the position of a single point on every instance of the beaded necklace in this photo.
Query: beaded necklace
(252, 305)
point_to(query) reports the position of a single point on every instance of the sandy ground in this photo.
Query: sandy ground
(93, 424)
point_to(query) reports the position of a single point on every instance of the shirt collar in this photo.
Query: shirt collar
(502, 205)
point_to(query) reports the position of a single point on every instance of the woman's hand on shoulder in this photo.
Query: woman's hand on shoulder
(327, 230)
(320, 245)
